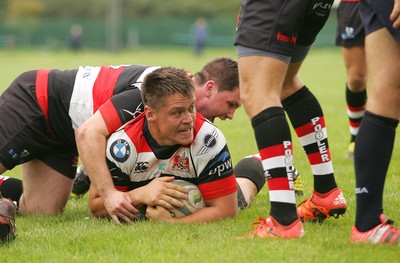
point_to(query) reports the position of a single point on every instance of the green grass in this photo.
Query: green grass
(76, 237)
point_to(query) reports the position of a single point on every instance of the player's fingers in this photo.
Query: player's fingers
(169, 203)
(176, 187)
(396, 23)
(116, 219)
(166, 178)
(125, 218)
(395, 15)
(175, 193)
(128, 212)
(131, 210)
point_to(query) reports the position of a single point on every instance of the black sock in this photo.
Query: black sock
(355, 110)
(273, 139)
(303, 110)
(11, 188)
(374, 147)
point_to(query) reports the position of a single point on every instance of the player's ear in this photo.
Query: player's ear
(149, 112)
(211, 88)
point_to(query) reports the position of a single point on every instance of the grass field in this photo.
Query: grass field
(76, 237)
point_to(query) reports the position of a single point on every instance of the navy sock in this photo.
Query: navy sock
(11, 188)
(374, 147)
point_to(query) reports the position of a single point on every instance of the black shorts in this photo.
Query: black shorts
(277, 26)
(350, 31)
(375, 15)
(24, 131)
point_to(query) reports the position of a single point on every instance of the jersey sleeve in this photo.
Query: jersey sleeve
(121, 155)
(218, 179)
(213, 163)
(121, 180)
(121, 108)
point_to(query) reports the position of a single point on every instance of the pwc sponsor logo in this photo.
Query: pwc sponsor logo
(222, 165)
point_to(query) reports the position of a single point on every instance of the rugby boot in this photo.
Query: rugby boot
(321, 206)
(270, 228)
(384, 233)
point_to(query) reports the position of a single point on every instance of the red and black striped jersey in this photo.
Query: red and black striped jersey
(69, 97)
(134, 158)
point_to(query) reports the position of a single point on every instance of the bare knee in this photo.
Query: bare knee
(248, 188)
(28, 206)
(356, 83)
(45, 191)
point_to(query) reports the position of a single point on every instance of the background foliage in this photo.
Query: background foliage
(20, 9)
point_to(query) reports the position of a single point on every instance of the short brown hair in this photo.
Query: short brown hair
(223, 71)
(163, 82)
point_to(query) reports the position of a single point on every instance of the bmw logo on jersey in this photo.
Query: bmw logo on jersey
(120, 150)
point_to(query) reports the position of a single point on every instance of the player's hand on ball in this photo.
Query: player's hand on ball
(158, 213)
(192, 203)
(162, 192)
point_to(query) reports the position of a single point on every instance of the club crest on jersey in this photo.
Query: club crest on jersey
(120, 150)
(209, 142)
(181, 163)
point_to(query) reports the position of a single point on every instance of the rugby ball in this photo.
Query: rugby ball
(193, 202)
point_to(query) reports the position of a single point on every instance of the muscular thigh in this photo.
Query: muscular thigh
(260, 90)
(383, 54)
(45, 191)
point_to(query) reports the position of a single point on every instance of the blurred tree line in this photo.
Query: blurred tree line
(120, 23)
(12, 10)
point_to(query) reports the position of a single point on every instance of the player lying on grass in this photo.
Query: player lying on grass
(169, 140)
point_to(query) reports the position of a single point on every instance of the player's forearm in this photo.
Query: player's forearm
(97, 207)
(91, 147)
(207, 214)
(219, 208)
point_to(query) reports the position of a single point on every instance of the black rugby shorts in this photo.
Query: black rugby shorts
(277, 26)
(350, 31)
(24, 131)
